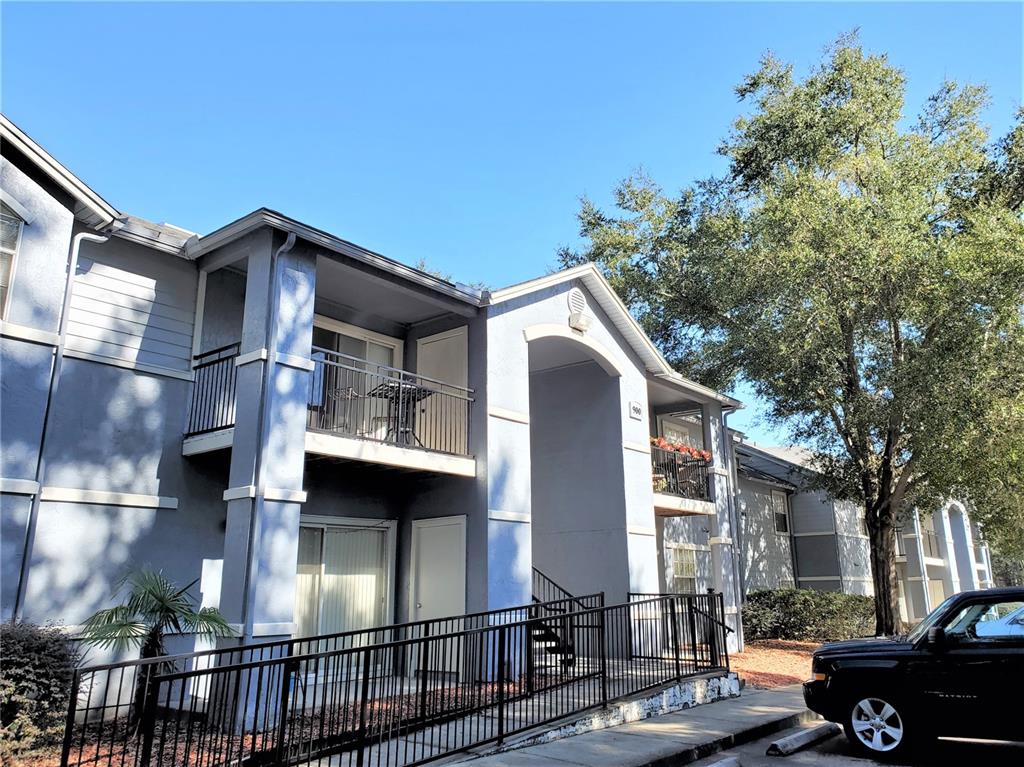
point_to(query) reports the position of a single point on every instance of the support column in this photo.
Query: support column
(963, 547)
(265, 493)
(950, 573)
(918, 599)
(724, 538)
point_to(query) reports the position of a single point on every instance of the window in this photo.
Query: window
(10, 234)
(683, 429)
(780, 510)
(684, 570)
(988, 622)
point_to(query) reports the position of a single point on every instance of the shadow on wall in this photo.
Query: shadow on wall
(119, 431)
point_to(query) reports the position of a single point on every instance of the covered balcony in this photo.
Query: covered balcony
(377, 405)
(388, 378)
(680, 474)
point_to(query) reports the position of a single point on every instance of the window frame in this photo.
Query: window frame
(776, 513)
(397, 345)
(690, 552)
(15, 213)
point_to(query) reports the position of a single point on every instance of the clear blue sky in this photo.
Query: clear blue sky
(462, 134)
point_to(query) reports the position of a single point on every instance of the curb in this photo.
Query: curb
(690, 754)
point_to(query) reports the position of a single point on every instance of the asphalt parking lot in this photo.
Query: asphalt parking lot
(836, 752)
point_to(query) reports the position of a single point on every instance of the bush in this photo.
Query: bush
(807, 614)
(36, 667)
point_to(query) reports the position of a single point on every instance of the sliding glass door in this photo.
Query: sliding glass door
(343, 577)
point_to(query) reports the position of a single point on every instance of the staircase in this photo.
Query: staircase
(552, 637)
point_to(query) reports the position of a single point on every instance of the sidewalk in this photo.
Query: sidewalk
(677, 738)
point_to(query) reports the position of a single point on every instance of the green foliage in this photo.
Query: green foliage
(864, 272)
(153, 605)
(807, 614)
(36, 667)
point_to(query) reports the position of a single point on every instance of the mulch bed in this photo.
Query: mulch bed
(767, 663)
(330, 727)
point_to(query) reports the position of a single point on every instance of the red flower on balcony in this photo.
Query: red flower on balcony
(681, 448)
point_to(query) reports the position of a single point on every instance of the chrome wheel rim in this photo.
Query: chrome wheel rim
(877, 724)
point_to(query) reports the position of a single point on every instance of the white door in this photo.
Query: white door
(438, 588)
(441, 418)
(438, 567)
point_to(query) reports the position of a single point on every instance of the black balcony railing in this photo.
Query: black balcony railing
(213, 391)
(348, 396)
(394, 696)
(678, 474)
(358, 398)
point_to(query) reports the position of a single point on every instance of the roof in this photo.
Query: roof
(261, 217)
(590, 276)
(89, 206)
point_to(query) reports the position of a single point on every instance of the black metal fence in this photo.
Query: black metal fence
(359, 398)
(397, 695)
(213, 391)
(678, 474)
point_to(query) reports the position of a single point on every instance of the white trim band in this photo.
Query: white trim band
(254, 356)
(720, 540)
(637, 447)
(294, 361)
(508, 415)
(19, 486)
(25, 333)
(280, 494)
(812, 535)
(273, 629)
(641, 530)
(240, 492)
(508, 516)
(106, 498)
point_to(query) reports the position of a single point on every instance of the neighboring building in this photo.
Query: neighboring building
(795, 535)
(324, 438)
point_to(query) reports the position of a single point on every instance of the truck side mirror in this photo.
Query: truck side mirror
(937, 637)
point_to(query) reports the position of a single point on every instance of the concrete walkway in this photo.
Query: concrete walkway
(670, 739)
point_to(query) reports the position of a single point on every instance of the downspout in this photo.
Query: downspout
(734, 521)
(55, 371)
(270, 338)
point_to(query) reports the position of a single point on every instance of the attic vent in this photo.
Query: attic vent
(577, 301)
(578, 317)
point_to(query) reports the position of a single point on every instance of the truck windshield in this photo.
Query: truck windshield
(933, 617)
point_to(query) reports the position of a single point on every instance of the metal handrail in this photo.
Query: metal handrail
(385, 370)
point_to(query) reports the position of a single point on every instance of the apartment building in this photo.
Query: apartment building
(323, 438)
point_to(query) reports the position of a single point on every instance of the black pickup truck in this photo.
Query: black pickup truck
(958, 673)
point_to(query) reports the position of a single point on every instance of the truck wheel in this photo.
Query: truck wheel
(877, 726)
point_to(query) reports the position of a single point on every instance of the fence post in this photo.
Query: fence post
(502, 638)
(69, 722)
(364, 694)
(424, 664)
(691, 615)
(674, 634)
(603, 653)
(148, 723)
(529, 654)
(284, 700)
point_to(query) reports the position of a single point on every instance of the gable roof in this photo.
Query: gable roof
(200, 246)
(590, 276)
(90, 208)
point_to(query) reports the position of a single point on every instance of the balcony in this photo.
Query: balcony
(356, 409)
(681, 483)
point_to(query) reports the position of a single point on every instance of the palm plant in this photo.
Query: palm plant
(153, 606)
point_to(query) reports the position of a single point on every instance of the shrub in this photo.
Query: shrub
(807, 614)
(36, 668)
